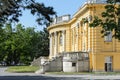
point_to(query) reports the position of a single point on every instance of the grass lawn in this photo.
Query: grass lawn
(85, 73)
(23, 69)
(69, 73)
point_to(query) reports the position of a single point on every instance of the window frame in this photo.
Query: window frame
(73, 64)
(108, 36)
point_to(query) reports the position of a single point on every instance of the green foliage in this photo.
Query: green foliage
(96, 22)
(110, 19)
(11, 10)
(85, 20)
(22, 45)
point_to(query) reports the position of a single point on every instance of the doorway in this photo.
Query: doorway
(108, 64)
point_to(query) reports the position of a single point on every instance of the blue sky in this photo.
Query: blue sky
(62, 7)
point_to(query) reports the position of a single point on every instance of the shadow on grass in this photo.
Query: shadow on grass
(38, 78)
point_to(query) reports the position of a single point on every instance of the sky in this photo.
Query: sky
(62, 7)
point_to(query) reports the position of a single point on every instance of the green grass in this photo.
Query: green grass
(85, 73)
(107, 73)
(69, 73)
(23, 69)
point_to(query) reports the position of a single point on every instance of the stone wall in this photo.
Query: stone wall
(53, 65)
(83, 66)
(36, 62)
(56, 64)
(75, 62)
(69, 62)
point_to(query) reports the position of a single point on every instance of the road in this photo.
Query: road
(32, 76)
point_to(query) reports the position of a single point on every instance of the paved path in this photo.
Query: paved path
(32, 76)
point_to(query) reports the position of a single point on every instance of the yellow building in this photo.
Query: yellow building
(73, 35)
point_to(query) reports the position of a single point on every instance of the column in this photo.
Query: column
(56, 44)
(77, 37)
(63, 40)
(50, 45)
(83, 38)
(89, 37)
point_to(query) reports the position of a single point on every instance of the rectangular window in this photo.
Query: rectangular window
(73, 64)
(108, 36)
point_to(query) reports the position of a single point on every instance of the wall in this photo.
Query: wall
(101, 48)
(86, 39)
(54, 65)
(36, 62)
(75, 62)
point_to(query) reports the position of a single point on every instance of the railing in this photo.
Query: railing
(96, 1)
(60, 19)
(76, 55)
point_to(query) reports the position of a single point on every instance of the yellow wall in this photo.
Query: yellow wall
(84, 38)
(98, 63)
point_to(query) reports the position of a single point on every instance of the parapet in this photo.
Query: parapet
(60, 19)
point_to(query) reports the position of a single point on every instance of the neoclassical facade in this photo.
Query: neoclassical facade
(71, 35)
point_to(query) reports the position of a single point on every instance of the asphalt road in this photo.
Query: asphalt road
(32, 76)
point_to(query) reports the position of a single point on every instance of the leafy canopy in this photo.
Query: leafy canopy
(11, 10)
(110, 19)
(22, 45)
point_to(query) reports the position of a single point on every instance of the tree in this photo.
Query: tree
(22, 45)
(10, 46)
(11, 10)
(110, 19)
(43, 44)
